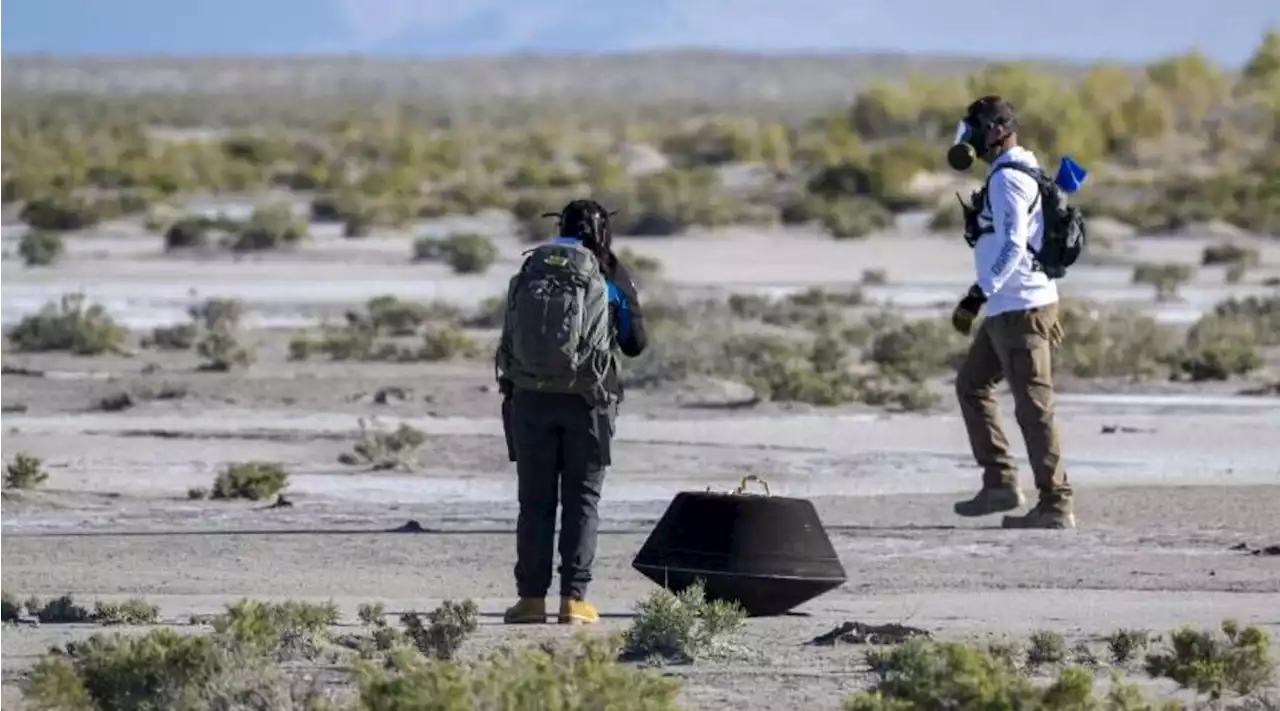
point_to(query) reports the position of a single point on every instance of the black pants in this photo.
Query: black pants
(561, 450)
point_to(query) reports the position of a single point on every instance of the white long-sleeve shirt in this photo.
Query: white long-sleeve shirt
(1016, 218)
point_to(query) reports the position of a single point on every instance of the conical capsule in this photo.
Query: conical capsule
(768, 553)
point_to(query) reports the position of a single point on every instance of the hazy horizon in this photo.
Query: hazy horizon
(1087, 31)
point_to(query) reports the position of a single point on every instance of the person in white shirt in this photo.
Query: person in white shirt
(1020, 329)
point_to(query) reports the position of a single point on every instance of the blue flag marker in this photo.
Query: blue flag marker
(1070, 175)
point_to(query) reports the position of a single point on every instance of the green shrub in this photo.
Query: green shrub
(447, 343)
(946, 217)
(923, 674)
(1046, 647)
(490, 313)
(220, 351)
(469, 253)
(681, 627)
(371, 614)
(269, 227)
(1218, 347)
(914, 349)
(272, 627)
(1231, 254)
(190, 232)
(1234, 273)
(61, 213)
(181, 337)
(240, 661)
(117, 402)
(166, 669)
(253, 480)
(133, 611)
(68, 325)
(391, 315)
(217, 313)
(1262, 312)
(428, 249)
(41, 248)
(10, 608)
(781, 370)
(855, 217)
(1165, 278)
(24, 472)
(1238, 660)
(814, 308)
(119, 671)
(643, 270)
(62, 610)
(1102, 343)
(802, 209)
(582, 673)
(874, 277)
(1125, 644)
(673, 201)
(528, 213)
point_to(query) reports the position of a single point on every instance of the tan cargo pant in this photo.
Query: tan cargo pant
(1015, 346)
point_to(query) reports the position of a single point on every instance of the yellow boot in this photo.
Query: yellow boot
(577, 612)
(527, 611)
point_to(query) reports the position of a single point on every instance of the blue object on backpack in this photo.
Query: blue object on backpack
(1070, 175)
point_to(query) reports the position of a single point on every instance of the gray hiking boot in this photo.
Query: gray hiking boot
(990, 501)
(1042, 517)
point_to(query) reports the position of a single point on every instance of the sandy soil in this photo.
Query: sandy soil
(1162, 499)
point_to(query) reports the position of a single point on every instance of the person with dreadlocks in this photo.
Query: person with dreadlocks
(568, 308)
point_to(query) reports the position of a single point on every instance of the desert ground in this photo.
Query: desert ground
(1168, 479)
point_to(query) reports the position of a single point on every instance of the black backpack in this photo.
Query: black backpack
(1064, 226)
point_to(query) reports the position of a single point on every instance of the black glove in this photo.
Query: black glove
(506, 387)
(967, 310)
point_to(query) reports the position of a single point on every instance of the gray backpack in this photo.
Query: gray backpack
(557, 336)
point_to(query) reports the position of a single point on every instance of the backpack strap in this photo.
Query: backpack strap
(1036, 174)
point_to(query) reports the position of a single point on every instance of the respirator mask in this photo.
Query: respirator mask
(964, 146)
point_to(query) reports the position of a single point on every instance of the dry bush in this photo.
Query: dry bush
(381, 450)
(1166, 279)
(1230, 254)
(41, 248)
(264, 655)
(915, 349)
(269, 227)
(1236, 660)
(61, 213)
(1219, 347)
(1101, 342)
(70, 324)
(468, 253)
(133, 611)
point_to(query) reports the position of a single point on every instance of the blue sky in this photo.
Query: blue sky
(1122, 30)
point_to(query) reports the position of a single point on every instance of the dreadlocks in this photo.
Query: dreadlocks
(588, 221)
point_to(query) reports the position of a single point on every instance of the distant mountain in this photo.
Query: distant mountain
(1124, 30)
